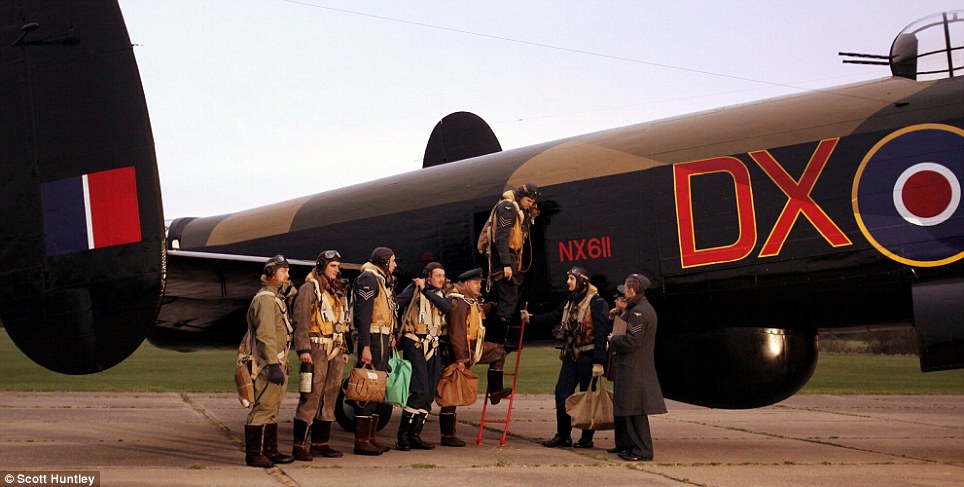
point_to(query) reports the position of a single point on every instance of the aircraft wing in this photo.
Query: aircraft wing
(207, 294)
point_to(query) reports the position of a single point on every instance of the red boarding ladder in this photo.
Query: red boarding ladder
(515, 377)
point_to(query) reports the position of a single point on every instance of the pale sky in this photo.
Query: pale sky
(253, 102)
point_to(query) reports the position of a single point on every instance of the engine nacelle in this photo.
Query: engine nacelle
(735, 368)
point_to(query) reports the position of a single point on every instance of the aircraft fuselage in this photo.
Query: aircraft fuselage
(778, 215)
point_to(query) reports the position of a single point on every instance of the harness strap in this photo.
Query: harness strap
(428, 344)
(332, 344)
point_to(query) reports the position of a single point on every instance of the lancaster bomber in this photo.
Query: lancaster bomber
(760, 225)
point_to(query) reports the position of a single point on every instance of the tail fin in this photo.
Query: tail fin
(458, 136)
(81, 224)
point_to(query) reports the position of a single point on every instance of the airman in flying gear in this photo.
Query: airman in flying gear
(321, 326)
(374, 317)
(466, 337)
(508, 230)
(268, 340)
(425, 307)
(582, 323)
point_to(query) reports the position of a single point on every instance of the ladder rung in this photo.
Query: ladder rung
(514, 373)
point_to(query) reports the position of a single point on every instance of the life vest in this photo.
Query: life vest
(423, 323)
(330, 313)
(516, 234)
(384, 307)
(577, 325)
(329, 318)
(474, 329)
(422, 317)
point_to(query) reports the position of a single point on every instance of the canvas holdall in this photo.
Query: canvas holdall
(592, 410)
(399, 380)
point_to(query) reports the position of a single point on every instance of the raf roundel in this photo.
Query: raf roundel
(927, 194)
(907, 195)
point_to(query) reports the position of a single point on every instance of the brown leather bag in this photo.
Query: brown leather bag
(365, 384)
(457, 388)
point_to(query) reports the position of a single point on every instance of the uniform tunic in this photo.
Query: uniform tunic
(637, 390)
(637, 393)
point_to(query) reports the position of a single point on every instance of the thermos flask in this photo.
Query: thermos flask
(305, 378)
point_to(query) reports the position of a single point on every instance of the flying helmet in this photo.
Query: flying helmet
(431, 266)
(528, 189)
(381, 256)
(582, 277)
(272, 265)
(326, 257)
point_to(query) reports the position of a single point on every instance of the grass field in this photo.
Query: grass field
(151, 369)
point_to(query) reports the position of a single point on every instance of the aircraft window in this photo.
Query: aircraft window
(930, 48)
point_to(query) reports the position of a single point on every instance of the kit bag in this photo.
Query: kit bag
(457, 388)
(399, 380)
(365, 384)
(591, 410)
